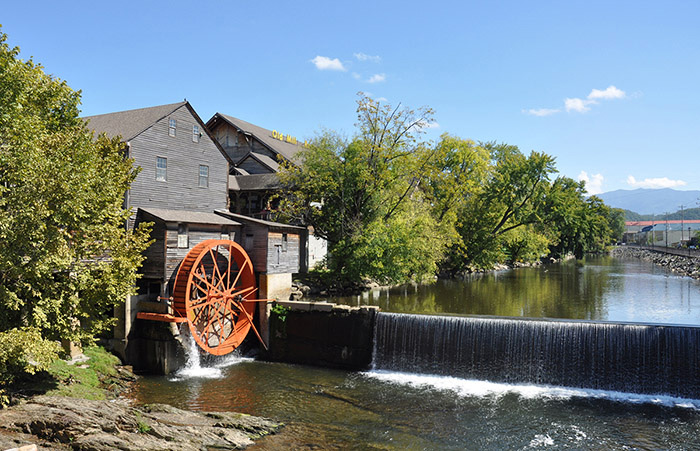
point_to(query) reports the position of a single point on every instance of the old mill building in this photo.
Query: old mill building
(200, 181)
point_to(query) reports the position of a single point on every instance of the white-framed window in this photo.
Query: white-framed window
(172, 126)
(161, 169)
(285, 242)
(203, 176)
(183, 241)
(195, 133)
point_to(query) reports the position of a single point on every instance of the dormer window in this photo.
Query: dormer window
(172, 126)
(195, 133)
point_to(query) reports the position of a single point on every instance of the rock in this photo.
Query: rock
(680, 264)
(107, 425)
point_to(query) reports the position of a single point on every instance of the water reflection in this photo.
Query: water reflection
(599, 288)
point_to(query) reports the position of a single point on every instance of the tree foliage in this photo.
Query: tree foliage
(361, 194)
(65, 253)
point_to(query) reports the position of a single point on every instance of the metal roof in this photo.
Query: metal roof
(286, 149)
(190, 217)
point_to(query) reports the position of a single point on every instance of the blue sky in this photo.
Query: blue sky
(611, 89)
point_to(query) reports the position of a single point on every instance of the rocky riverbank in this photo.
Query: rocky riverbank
(682, 265)
(80, 405)
(53, 422)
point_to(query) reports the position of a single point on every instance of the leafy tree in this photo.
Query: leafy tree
(66, 256)
(362, 196)
(579, 224)
(513, 195)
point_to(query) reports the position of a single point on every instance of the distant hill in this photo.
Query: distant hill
(651, 201)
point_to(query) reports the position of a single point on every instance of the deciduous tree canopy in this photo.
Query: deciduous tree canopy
(65, 254)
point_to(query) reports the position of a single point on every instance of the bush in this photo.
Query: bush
(24, 352)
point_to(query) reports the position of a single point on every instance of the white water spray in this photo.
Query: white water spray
(193, 363)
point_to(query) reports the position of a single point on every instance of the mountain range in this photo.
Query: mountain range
(651, 201)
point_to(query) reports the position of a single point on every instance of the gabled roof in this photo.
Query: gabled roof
(253, 182)
(262, 159)
(131, 123)
(286, 149)
(189, 217)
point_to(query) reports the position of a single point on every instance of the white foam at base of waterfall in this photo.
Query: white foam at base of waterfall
(194, 369)
(483, 389)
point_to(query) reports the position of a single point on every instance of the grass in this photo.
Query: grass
(88, 380)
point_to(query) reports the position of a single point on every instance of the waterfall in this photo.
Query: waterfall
(637, 358)
(193, 366)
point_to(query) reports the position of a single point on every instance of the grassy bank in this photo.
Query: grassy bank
(99, 376)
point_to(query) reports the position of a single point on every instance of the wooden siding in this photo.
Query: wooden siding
(256, 248)
(279, 261)
(196, 234)
(252, 166)
(154, 264)
(236, 145)
(181, 190)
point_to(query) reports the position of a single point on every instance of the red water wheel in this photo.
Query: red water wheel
(215, 291)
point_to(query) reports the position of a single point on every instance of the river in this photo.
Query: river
(378, 409)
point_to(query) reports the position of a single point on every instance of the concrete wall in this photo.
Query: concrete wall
(322, 334)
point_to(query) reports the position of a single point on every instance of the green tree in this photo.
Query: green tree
(578, 224)
(513, 195)
(362, 196)
(65, 253)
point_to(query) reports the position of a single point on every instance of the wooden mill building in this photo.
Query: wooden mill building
(256, 154)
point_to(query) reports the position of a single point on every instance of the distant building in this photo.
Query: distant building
(671, 233)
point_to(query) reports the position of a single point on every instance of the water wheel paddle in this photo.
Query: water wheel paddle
(215, 293)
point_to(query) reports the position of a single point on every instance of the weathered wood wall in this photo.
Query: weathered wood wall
(279, 260)
(181, 190)
(236, 145)
(254, 242)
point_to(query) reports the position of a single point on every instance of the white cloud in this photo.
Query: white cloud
(428, 125)
(581, 105)
(578, 105)
(376, 78)
(594, 182)
(541, 112)
(364, 57)
(325, 63)
(659, 182)
(611, 92)
(381, 99)
(356, 76)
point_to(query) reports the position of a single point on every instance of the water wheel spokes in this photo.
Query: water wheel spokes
(215, 291)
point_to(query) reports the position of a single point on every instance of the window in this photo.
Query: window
(172, 125)
(195, 133)
(248, 243)
(161, 169)
(182, 237)
(284, 242)
(203, 176)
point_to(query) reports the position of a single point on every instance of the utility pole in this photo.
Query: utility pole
(682, 207)
(667, 229)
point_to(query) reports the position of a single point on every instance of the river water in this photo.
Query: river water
(379, 409)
